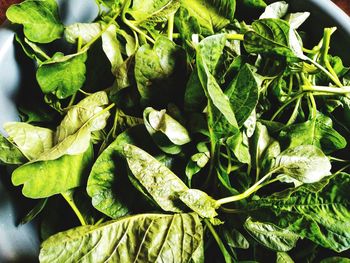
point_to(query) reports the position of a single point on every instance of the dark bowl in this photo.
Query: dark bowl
(21, 243)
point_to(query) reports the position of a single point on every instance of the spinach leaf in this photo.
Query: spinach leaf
(273, 36)
(39, 18)
(271, 236)
(85, 31)
(167, 133)
(304, 163)
(32, 141)
(46, 178)
(322, 217)
(9, 153)
(62, 75)
(111, 47)
(158, 71)
(160, 182)
(144, 237)
(317, 131)
(283, 257)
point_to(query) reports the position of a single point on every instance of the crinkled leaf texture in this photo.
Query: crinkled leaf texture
(39, 18)
(9, 153)
(46, 178)
(322, 216)
(62, 75)
(139, 238)
(304, 163)
(271, 236)
(158, 180)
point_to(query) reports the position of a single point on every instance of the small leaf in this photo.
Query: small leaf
(283, 257)
(271, 236)
(143, 238)
(9, 153)
(275, 10)
(160, 182)
(39, 18)
(305, 163)
(62, 75)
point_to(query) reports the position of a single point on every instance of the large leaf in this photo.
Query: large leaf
(46, 178)
(273, 36)
(244, 93)
(140, 238)
(158, 180)
(62, 75)
(159, 71)
(317, 131)
(271, 236)
(40, 19)
(305, 163)
(74, 133)
(9, 153)
(322, 216)
(31, 140)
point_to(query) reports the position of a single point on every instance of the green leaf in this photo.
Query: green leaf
(323, 216)
(195, 100)
(153, 11)
(167, 133)
(46, 178)
(317, 131)
(335, 260)
(271, 236)
(143, 238)
(283, 257)
(226, 8)
(112, 47)
(275, 10)
(73, 135)
(201, 203)
(159, 71)
(105, 181)
(235, 239)
(186, 24)
(196, 163)
(158, 180)
(39, 18)
(273, 36)
(62, 75)
(31, 140)
(32, 214)
(255, 3)
(206, 15)
(9, 153)
(260, 142)
(305, 163)
(243, 93)
(85, 31)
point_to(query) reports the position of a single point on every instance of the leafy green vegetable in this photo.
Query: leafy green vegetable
(210, 106)
(144, 237)
(39, 18)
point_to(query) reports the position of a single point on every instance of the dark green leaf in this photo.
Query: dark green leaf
(271, 236)
(9, 153)
(62, 75)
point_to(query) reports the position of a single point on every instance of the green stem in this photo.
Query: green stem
(171, 26)
(324, 89)
(338, 159)
(239, 37)
(70, 201)
(285, 105)
(295, 112)
(313, 104)
(87, 45)
(255, 187)
(136, 29)
(218, 240)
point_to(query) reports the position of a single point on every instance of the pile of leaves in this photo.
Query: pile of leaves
(180, 132)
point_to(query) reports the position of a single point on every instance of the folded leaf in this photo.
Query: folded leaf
(140, 238)
(31, 140)
(46, 178)
(39, 18)
(62, 75)
(271, 236)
